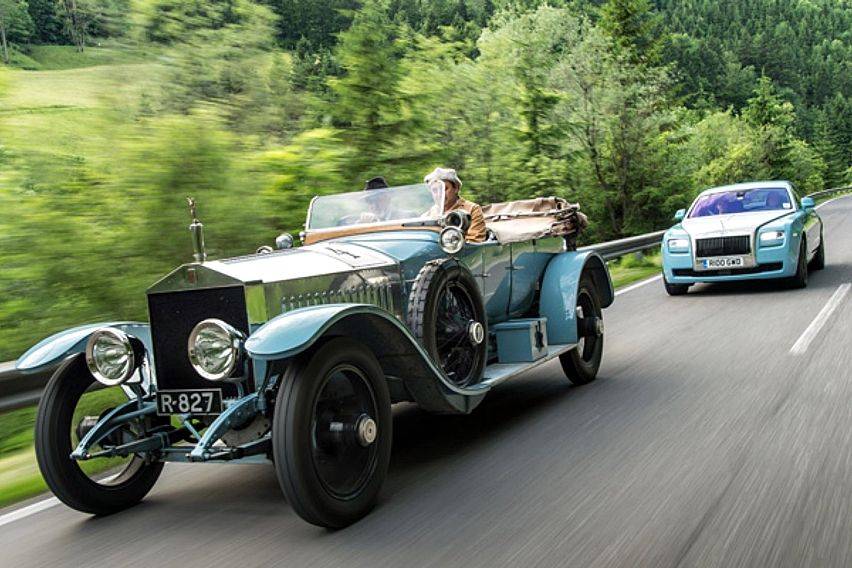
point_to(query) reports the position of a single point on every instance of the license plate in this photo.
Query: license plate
(720, 262)
(198, 402)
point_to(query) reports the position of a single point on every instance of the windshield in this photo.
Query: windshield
(391, 205)
(743, 201)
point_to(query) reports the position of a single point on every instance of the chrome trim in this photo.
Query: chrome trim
(125, 341)
(236, 339)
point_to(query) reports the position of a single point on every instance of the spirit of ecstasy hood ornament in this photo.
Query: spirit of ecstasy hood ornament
(197, 231)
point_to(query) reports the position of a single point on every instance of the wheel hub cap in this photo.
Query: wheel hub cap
(366, 430)
(475, 332)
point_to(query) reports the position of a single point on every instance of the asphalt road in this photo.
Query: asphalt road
(704, 442)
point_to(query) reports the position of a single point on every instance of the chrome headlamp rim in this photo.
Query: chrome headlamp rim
(451, 246)
(235, 340)
(119, 338)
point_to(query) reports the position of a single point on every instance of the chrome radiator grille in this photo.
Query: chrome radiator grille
(720, 246)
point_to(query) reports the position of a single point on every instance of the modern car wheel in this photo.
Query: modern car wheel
(800, 279)
(675, 289)
(447, 316)
(582, 363)
(331, 433)
(97, 486)
(818, 261)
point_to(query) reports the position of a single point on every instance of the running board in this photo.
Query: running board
(497, 373)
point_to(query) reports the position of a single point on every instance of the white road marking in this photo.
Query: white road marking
(812, 330)
(40, 506)
(637, 285)
(29, 510)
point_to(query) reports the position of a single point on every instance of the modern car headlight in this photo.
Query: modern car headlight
(770, 238)
(452, 240)
(112, 356)
(678, 245)
(215, 349)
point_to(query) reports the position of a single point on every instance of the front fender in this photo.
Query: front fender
(60, 346)
(397, 351)
(559, 292)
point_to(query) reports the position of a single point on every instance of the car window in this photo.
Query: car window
(742, 201)
(390, 205)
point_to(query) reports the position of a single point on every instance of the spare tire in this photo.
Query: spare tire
(447, 316)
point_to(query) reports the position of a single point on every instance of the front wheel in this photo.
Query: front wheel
(581, 364)
(98, 486)
(818, 261)
(331, 434)
(675, 289)
(800, 279)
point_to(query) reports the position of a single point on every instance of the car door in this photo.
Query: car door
(490, 264)
(529, 259)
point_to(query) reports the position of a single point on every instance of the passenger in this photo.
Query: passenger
(774, 201)
(381, 204)
(452, 201)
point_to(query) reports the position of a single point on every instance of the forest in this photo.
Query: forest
(112, 112)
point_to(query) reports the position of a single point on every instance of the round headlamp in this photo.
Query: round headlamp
(452, 240)
(215, 349)
(112, 356)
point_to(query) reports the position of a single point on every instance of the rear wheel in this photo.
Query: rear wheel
(800, 279)
(675, 289)
(97, 486)
(331, 435)
(582, 363)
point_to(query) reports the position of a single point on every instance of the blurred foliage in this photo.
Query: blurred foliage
(255, 107)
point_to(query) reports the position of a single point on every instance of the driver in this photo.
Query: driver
(476, 232)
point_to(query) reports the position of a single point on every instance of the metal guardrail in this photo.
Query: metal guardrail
(19, 389)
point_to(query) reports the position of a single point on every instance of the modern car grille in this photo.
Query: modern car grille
(173, 315)
(768, 267)
(721, 246)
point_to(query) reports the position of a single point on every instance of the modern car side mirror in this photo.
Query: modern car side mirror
(680, 214)
(284, 241)
(808, 203)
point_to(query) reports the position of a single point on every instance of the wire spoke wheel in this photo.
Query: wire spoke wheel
(344, 429)
(100, 485)
(332, 432)
(446, 314)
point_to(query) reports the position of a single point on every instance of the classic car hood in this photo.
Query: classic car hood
(738, 223)
(279, 266)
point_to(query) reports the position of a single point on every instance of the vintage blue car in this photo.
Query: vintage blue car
(294, 355)
(747, 231)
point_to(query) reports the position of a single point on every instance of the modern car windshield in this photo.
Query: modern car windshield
(391, 205)
(743, 201)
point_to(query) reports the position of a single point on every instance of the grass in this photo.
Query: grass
(632, 268)
(55, 57)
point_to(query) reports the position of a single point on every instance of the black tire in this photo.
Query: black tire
(818, 261)
(303, 438)
(53, 446)
(800, 279)
(675, 289)
(443, 332)
(581, 364)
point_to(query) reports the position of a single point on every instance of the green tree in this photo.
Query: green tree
(15, 24)
(635, 28)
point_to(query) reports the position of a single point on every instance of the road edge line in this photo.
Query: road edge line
(639, 284)
(810, 333)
